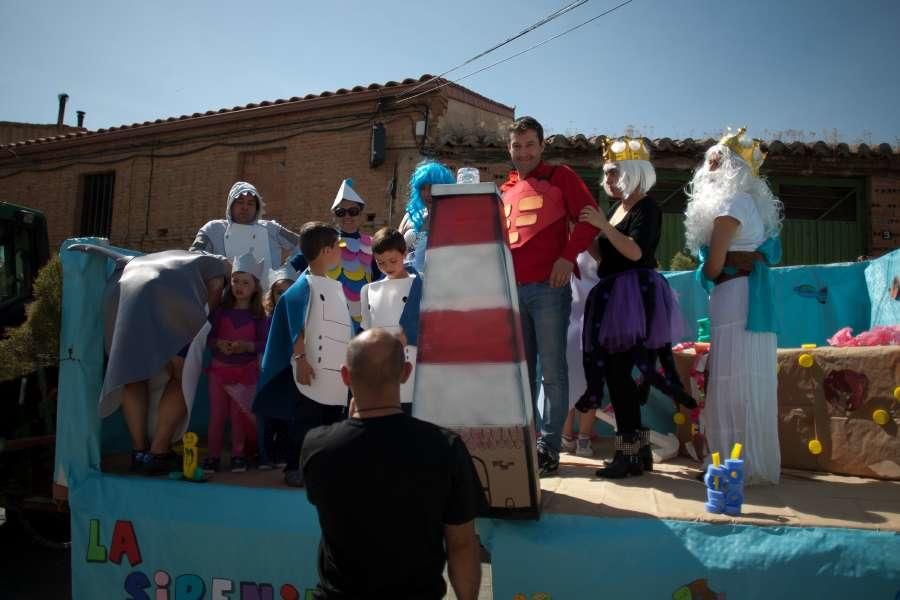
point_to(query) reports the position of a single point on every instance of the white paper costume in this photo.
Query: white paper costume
(327, 332)
(383, 303)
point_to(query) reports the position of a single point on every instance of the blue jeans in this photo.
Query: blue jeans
(545, 319)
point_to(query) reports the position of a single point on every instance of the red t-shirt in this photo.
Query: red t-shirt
(533, 261)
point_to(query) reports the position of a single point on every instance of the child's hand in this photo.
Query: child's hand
(305, 373)
(591, 215)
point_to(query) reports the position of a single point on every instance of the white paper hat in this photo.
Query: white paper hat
(247, 263)
(285, 272)
(346, 192)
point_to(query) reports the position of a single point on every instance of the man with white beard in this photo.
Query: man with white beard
(733, 221)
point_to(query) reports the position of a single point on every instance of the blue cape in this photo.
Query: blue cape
(761, 316)
(409, 318)
(276, 391)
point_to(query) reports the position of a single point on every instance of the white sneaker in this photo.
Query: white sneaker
(583, 448)
(567, 444)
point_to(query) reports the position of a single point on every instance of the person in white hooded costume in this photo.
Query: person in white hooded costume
(242, 230)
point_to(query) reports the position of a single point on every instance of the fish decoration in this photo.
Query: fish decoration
(807, 290)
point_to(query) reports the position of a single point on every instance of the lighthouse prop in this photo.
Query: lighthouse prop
(472, 376)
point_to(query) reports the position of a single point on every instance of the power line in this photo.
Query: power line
(555, 14)
(517, 54)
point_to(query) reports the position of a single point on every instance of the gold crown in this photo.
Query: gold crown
(624, 148)
(748, 150)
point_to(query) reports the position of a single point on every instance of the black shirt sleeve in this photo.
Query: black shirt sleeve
(643, 226)
(466, 499)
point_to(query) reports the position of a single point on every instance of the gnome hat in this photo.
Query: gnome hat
(346, 192)
(247, 263)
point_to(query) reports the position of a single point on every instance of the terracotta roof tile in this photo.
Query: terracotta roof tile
(686, 146)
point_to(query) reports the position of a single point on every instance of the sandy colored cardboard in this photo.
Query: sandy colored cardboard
(505, 459)
(833, 401)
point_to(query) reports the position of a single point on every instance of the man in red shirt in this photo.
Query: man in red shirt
(542, 203)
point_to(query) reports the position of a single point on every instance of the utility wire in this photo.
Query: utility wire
(517, 54)
(557, 13)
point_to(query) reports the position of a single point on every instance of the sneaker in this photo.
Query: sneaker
(159, 464)
(265, 466)
(583, 448)
(238, 464)
(567, 444)
(548, 462)
(138, 458)
(293, 478)
(210, 464)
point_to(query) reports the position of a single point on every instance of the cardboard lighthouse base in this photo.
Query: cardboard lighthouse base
(471, 374)
(506, 459)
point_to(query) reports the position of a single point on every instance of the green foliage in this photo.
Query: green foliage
(35, 342)
(682, 262)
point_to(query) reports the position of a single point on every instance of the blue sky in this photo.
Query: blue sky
(805, 69)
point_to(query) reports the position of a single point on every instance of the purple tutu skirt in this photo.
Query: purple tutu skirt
(632, 308)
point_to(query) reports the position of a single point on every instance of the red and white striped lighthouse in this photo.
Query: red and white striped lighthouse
(471, 371)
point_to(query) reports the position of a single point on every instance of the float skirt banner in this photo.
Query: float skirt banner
(134, 537)
(567, 557)
(811, 302)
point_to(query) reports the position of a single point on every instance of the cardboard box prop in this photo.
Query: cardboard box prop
(471, 374)
(838, 409)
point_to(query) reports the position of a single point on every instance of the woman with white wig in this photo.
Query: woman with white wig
(733, 222)
(631, 317)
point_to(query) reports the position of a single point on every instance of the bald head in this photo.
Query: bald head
(375, 364)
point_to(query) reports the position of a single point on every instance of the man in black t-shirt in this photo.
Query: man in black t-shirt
(396, 496)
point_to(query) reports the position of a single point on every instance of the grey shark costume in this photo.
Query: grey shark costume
(154, 306)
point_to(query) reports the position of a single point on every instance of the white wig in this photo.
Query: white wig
(709, 191)
(633, 175)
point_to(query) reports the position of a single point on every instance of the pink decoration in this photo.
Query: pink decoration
(883, 335)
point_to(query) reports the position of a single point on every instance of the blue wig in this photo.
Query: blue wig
(427, 172)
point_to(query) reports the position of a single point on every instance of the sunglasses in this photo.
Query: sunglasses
(352, 211)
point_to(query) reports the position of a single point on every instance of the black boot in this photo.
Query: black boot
(644, 452)
(626, 461)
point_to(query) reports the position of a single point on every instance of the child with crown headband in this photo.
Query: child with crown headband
(237, 338)
(733, 222)
(631, 317)
(271, 432)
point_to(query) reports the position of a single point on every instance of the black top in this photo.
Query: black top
(384, 488)
(643, 224)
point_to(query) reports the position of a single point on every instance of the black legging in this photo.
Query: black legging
(624, 393)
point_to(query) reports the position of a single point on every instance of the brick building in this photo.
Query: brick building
(151, 185)
(840, 201)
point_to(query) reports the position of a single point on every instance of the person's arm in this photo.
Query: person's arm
(724, 229)
(576, 196)
(365, 308)
(201, 243)
(463, 560)
(287, 239)
(305, 373)
(625, 245)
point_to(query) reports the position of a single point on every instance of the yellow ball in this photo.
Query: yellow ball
(679, 418)
(881, 417)
(806, 360)
(807, 346)
(815, 447)
(897, 392)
